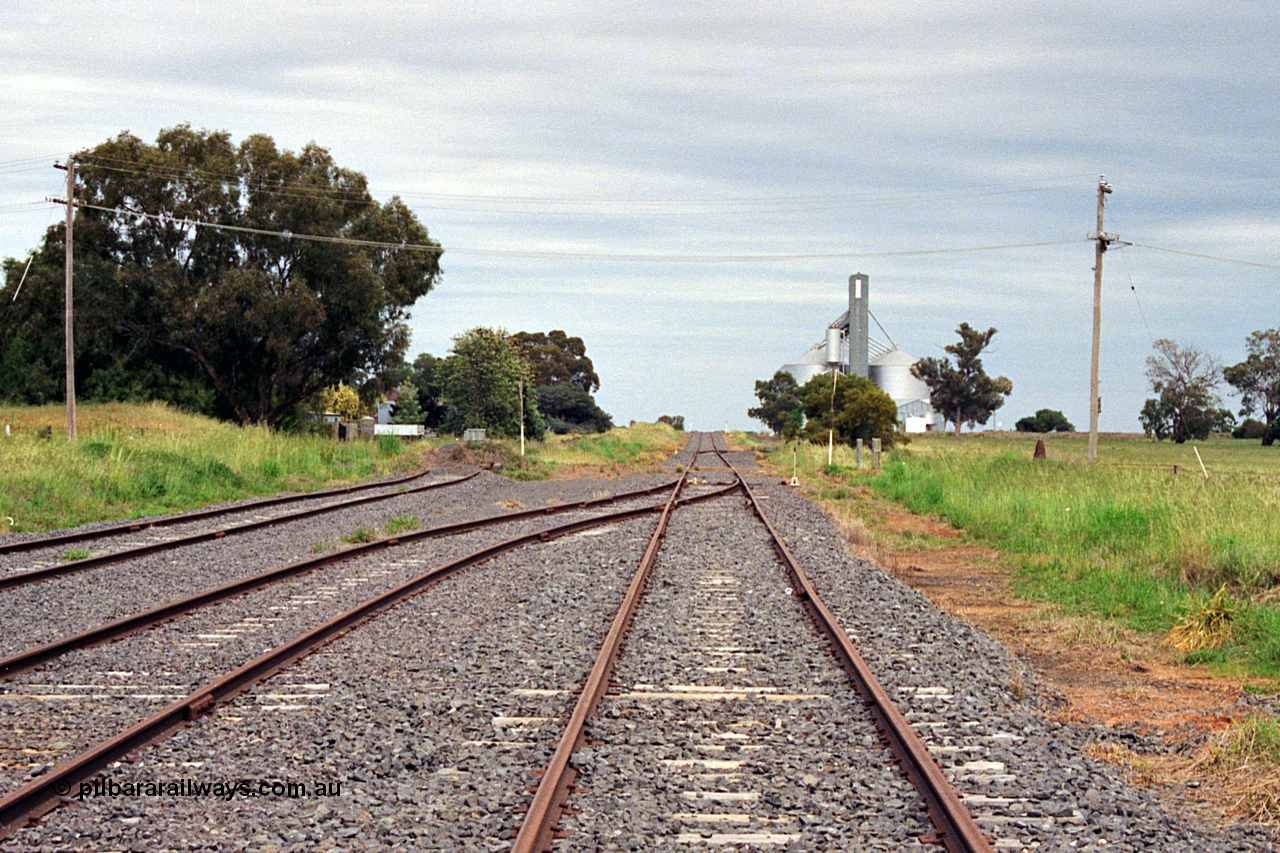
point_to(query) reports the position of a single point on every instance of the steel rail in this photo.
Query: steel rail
(183, 517)
(539, 825)
(51, 789)
(17, 579)
(29, 659)
(715, 451)
(956, 828)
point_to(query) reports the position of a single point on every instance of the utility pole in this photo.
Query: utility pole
(1102, 239)
(69, 311)
(520, 385)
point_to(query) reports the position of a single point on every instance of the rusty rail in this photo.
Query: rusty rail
(538, 828)
(956, 828)
(17, 579)
(51, 789)
(29, 659)
(194, 515)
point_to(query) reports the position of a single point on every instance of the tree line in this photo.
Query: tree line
(478, 385)
(257, 284)
(1187, 404)
(232, 280)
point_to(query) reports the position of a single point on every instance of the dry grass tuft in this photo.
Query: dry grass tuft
(1140, 770)
(1247, 760)
(1207, 627)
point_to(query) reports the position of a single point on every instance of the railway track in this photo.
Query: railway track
(456, 691)
(37, 797)
(702, 716)
(58, 567)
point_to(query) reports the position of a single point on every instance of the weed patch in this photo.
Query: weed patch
(1206, 627)
(400, 524)
(360, 536)
(75, 554)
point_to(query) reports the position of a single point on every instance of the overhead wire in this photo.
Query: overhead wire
(1208, 257)
(635, 205)
(244, 229)
(552, 254)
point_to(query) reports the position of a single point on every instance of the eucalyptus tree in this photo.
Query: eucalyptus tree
(260, 275)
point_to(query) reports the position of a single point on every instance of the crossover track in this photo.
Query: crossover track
(32, 658)
(956, 829)
(42, 794)
(17, 579)
(123, 528)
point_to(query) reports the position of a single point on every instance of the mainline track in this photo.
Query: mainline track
(17, 579)
(50, 789)
(956, 829)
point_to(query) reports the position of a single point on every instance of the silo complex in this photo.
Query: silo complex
(890, 369)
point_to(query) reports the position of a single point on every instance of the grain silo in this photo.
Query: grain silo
(891, 372)
(861, 355)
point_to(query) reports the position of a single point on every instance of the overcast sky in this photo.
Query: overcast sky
(630, 149)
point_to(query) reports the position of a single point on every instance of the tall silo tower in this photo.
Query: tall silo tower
(858, 324)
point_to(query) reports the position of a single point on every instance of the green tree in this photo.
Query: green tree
(565, 378)
(1257, 379)
(1186, 404)
(556, 358)
(861, 410)
(406, 409)
(263, 321)
(427, 374)
(962, 391)
(567, 408)
(780, 409)
(482, 378)
(1045, 420)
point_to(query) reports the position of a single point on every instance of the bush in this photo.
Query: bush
(1045, 420)
(1251, 428)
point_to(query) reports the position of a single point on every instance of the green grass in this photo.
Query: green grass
(640, 446)
(360, 536)
(147, 459)
(400, 524)
(1127, 539)
(75, 554)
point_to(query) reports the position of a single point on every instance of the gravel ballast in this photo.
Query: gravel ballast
(729, 725)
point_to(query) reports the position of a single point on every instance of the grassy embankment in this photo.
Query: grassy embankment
(146, 459)
(1128, 539)
(134, 460)
(620, 450)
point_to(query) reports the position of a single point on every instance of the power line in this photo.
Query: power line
(635, 206)
(1208, 257)
(552, 254)
(288, 235)
(690, 258)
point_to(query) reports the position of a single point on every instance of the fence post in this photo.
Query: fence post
(875, 453)
(858, 453)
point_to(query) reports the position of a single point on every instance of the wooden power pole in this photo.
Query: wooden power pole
(69, 311)
(1102, 240)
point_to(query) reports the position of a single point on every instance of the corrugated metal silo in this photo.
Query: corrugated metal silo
(891, 372)
(809, 365)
